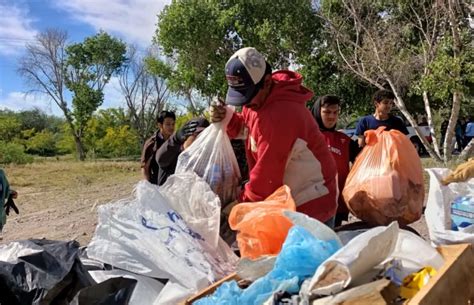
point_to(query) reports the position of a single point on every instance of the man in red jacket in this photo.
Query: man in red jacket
(344, 150)
(283, 142)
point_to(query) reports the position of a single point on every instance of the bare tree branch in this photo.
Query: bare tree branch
(145, 94)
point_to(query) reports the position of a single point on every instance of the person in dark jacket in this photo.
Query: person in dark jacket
(344, 150)
(165, 123)
(167, 155)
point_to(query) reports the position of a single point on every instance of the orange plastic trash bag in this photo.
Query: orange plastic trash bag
(386, 181)
(261, 226)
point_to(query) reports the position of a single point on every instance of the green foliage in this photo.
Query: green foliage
(450, 73)
(85, 101)
(118, 142)
(95, 60)
(324, 76)
(108, 134)
(43, 143)
(10, 127)
(182, 119)
(33, 119)
(100, 122)
(13, 153)
(38, 120)
(65, 142)
(91, 64)
(200, 36)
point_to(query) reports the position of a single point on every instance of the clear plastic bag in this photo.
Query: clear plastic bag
(211, 157)
(191, 197)
(386, 181)
(144, 235)
(299, 258)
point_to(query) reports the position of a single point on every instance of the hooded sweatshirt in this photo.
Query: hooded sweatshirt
(342, 148)
(284, 146)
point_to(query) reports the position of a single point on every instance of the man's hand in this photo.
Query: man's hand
(217, 111)
(187, 130)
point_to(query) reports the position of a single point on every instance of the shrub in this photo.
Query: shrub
(13, 153)
(118, 141)
(42, 143)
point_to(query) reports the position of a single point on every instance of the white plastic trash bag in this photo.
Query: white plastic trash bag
(211, 157)
(407, 252)
(193, 199)
(438, 208)
(354, 260)
(358, 260)
(313, 226)
(145, 235)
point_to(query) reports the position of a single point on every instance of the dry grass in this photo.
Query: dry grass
(57, 198)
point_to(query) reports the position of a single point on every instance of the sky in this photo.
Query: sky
(133, 21)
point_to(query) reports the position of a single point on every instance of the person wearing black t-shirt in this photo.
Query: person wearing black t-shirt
(383, 102)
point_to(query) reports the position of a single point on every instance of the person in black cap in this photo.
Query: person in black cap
(167, 154)
(283, 142)
(344, 150)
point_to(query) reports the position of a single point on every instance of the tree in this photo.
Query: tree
(90, 65)
(99, 123)
(118, 142)
(42, 143)
(145, 93)
(50, 67)
(10, 127)
(324, 75)
(195, 103)
(43, 68)
(200, 36)
(388, 43)
(33, 119)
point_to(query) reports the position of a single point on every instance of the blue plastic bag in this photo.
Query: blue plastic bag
(299, 258)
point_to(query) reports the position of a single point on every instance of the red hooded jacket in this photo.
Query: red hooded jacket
(339, 145)
(285, 146)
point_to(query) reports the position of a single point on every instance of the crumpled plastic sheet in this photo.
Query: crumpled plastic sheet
(145, 235)
(299, 258)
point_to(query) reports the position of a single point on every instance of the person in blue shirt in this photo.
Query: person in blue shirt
(383, 102)
(469, 134)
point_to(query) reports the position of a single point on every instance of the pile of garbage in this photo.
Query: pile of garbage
(164, 244)
(315, 262)
(166, 239)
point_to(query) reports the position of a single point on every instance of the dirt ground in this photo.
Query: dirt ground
(58, 199)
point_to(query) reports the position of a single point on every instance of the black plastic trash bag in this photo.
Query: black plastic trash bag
(41, 272)
(114, 291)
